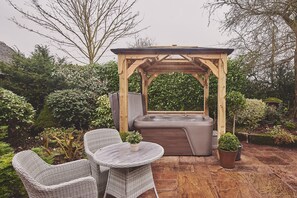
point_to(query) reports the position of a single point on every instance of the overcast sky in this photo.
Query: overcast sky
(169, 21)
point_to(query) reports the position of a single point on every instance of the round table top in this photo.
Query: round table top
(120, 156)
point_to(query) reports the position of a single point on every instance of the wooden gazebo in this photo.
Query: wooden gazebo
(153, 61)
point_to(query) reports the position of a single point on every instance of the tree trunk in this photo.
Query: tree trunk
(234, 119)
(295, 70)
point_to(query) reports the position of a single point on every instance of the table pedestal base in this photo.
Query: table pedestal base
(130, 182)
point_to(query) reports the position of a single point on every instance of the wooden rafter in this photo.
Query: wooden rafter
(132, 67)
(211, 66)
(199, 78)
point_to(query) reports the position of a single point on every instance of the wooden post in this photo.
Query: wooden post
(144, 88)
(206, 94)
(222, 71)
(123, 75)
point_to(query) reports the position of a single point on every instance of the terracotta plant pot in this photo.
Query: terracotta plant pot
(227, 158)
(134, 147)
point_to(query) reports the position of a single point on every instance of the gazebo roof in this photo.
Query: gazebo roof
(166, 59)
(173, 50)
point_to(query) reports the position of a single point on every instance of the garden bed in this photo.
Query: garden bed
(263, 139)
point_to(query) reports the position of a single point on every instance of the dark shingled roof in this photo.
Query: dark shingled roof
(173, 50)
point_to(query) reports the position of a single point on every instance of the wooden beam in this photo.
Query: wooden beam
(161, 57)
(136, 64)
(211, 66)
(140, 56)
(153, 76)
(222, 95)
(205, 56)
(206, 94)
(175, 112)
(144, 87)
(123, 78)
(199, 79)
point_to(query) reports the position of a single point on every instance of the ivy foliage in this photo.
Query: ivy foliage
(175, 92)
(15, 111)
(72, 107)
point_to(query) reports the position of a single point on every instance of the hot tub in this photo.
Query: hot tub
(178, 134)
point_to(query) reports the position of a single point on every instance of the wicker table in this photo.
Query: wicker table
(130, 173)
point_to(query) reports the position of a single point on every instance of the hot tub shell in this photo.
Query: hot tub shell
(178, 134)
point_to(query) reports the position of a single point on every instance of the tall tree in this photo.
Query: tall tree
(88, 27)
(266, 31)
(32, 77)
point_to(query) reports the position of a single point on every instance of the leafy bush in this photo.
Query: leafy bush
(252, 114)
(15, 111)
(82, 77)
(103, 116)
(65, 143)
(273, 114)
(281, 136)
(290, 125)
(134, 137)
(31, 77)
(3, 132)
(72, 107)
(235, 103)
(10, 184)
(46, 119)
(228, 142)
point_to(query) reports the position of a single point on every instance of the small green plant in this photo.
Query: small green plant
(228, 142)
(67, 143)
(134, 137)
(281, 136)
(272, 100)
(290, 125)
(124, 136)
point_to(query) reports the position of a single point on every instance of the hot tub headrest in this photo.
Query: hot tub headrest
(136, 107)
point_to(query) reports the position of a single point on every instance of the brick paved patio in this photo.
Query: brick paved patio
(263, 171)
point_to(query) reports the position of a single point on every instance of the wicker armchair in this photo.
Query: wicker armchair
(94, 140)
(41, 180)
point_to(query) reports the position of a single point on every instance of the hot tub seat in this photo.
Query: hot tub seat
(178, 134)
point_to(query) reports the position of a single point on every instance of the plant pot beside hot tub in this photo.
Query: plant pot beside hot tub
(228, 147)
(134, 138)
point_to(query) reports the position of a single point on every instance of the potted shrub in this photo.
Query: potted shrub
(134, 138)
(228, 146)
(235, 103)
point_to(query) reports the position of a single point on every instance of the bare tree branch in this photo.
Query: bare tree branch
(89, 27)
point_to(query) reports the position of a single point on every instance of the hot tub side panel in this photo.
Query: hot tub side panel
(173, 140)
(177, 137)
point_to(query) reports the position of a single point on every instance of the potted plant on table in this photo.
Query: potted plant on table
(228, 146)
(134, 138)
